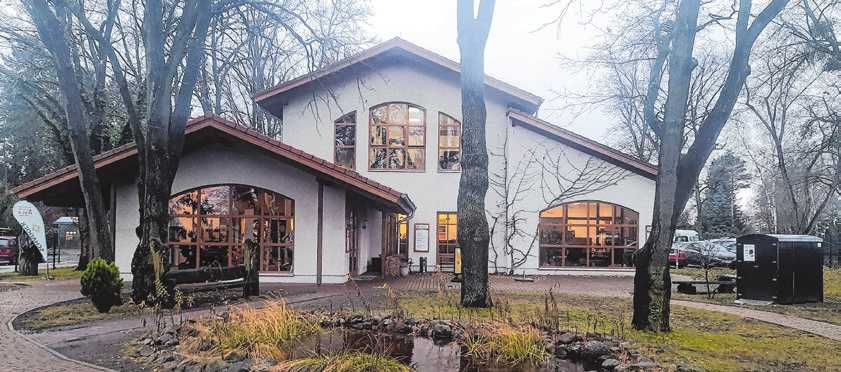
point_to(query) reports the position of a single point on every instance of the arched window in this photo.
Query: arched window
(590, 233)
(209, 226)
(398, 137)
(345, 144)
(449, 143)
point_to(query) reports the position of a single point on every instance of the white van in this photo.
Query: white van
(686, 236)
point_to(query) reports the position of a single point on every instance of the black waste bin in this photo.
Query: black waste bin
(785, 269)
(423, 264)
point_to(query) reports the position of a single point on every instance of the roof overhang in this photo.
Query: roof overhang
(583, 144)
(61, 188)
(397, 49)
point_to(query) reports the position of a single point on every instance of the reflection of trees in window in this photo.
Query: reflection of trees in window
(228, 216)
(345, 154)
(449, 143)
(398, 137)
(587, 234)
(447, 238)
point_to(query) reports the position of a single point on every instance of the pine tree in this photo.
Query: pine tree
(721, 215)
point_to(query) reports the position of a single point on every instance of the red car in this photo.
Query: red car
(677, 257)
(9, 249)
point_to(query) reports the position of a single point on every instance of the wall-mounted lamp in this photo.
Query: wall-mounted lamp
(365, 223)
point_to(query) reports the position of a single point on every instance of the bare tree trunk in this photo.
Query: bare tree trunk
(84, 240)
(473, 231)
(54, 38)
(30, 256)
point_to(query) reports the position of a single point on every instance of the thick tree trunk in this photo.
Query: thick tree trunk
(54, 38)
(84, 240)
(30, 256)
(473, 231)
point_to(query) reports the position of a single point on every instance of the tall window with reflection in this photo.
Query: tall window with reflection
(209, 226)
(345, 145)
(398, 137)
(449, 143)
(591, 234)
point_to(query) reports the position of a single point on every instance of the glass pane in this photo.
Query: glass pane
(182, 229)
(245, 228)
(237, 255)
(378, 115)
(377, 158)
(415, 116)
(397, 113)
(416, 136)
(448, 159)
(276, 231)
(184, 204)
(345, 135)
(552, 257)
(215, 200)
(348, 119)
(214, 230)
(576, 257)
(213, 255)
(184, 256)
(449, 137)
(554, 212)
(551, 235)
(346, 158)
(245, 200)
(378, 135)
(577, 211)
(396, 158)
(396, 136)
(416, 159)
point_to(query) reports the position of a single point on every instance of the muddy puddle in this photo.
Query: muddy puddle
(422, 354)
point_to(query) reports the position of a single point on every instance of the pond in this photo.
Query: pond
(422, 354)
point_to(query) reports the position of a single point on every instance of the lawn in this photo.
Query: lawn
(61, 273)
(828, 311)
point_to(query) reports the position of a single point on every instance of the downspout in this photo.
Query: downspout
(320, 237)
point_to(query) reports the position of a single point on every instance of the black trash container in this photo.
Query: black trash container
(422, 265)
(786, 269)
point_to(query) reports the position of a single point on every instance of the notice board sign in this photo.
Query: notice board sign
(749, 252)
(421, 237)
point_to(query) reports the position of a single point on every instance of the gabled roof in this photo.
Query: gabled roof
(583, 144)
(122, 162)
(275, 98)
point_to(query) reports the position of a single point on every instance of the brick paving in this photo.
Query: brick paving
(28, 353)
(19, 352)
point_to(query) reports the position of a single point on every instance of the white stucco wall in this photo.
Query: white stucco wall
(217, 164)
(308, 125)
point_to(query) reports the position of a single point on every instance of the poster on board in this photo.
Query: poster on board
(421, 237)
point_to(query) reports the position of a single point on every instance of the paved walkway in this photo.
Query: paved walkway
(29, 353)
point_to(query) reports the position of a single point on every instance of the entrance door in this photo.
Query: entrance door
(352, 240)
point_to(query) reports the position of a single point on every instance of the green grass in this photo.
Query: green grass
(61, 273)
(77, 313)
(827, 311)
(702, 340)
(344, 362)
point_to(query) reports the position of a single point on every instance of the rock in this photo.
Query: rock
(642, 359)
(593, 350)
(145, 350)
(166, 337)
(622, 368)
(646, 365)
(387, 322)
(217, 365)
(624, 345)
(239, 367)
(566, 338)
(376, 320)
(147, 341)
(610, 364)
(550, 348)
(171, 343)
(400, 327)
(442, 331)
(171, 366)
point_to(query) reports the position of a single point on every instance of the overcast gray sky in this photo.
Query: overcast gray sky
(519, 52)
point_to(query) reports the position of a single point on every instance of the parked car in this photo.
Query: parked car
(9, 249)
(677, 256)
(728, 243)
(706, 254)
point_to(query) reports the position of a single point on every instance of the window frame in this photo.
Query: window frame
(449, 256)
(338, 122)
(441, 125)
(406, 147)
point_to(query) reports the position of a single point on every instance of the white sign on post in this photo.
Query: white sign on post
(749, 253)
(32, 223)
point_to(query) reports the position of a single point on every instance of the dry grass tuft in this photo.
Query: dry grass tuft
(505, 345)
(343, 362)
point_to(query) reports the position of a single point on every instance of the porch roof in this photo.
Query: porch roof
(61, 188)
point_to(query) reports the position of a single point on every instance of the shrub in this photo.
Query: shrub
(101, 281)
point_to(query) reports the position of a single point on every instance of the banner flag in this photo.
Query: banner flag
(32, 223)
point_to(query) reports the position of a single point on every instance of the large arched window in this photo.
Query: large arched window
(209, 226)
(591, 234)
(398, 137)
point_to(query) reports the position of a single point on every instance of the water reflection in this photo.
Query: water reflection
(422, 354)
